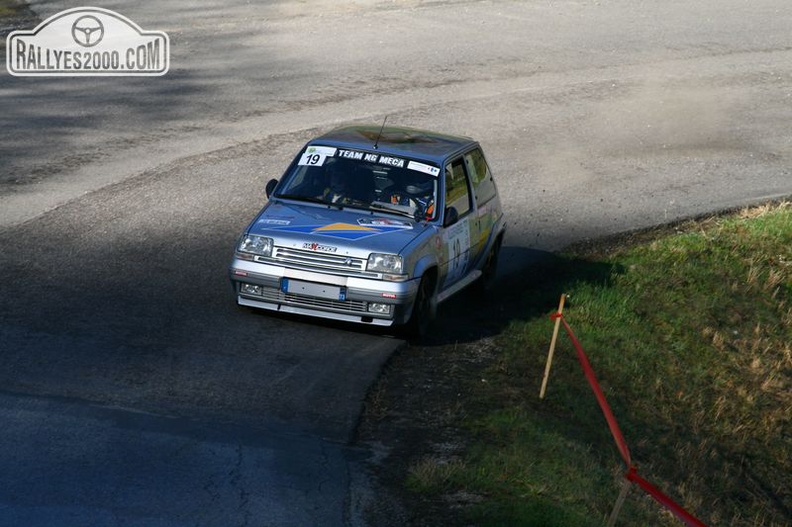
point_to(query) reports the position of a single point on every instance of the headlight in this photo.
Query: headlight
(385, 263)
(259, 245)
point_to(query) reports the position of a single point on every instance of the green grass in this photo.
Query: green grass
(690, 335)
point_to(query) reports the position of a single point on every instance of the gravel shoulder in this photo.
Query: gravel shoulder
(415, 409)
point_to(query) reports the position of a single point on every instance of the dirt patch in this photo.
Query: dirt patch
(413, 416)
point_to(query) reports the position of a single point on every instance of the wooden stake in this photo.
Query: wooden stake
(619, 502)
(552, 347)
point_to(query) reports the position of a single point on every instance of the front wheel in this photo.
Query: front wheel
(424, 309)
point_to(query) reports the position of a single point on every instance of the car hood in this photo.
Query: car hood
(349, 231)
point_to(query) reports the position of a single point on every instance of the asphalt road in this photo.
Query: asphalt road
(135, 392)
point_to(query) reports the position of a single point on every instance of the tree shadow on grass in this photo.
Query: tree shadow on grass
(429, 390)
(530, 283)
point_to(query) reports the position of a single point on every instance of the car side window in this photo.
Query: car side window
(480, 176)
(456, 191)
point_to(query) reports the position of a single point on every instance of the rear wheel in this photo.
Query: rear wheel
(486, 282)
(424, 309)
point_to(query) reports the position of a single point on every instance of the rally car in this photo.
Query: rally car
(374, 225)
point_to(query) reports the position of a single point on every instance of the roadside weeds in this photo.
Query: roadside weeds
(686, 326)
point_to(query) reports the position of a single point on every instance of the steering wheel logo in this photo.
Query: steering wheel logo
(87, 31)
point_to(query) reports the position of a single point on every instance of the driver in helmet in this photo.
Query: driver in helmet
(336, 189)
(416, 193)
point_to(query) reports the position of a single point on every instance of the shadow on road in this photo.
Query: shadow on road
(122, 298)
(530, 282)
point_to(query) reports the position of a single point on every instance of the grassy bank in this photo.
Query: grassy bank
(690, 335)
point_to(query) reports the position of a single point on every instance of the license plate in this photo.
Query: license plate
(298, 287)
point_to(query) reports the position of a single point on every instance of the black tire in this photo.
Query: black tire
(486, 283)
(424, 309)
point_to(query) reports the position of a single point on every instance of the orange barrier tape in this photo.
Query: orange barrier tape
(621, 444)
(664, 500)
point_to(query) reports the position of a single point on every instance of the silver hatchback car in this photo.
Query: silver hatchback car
(373, 225)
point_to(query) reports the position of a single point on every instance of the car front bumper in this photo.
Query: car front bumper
(332, 296)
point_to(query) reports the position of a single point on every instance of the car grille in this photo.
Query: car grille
(346, 306)
(319, 260)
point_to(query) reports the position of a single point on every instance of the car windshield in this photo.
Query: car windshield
(361, 179)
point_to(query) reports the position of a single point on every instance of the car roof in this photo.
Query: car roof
(400, 141)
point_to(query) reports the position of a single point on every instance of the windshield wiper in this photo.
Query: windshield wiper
(309, 199)
(385, 208)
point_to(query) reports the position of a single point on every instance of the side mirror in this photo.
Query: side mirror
(271, 184)
(451, 217)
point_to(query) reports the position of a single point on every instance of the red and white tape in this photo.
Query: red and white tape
(632, 473)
